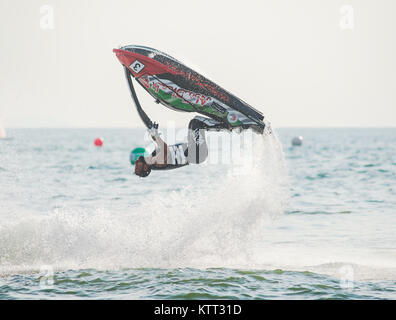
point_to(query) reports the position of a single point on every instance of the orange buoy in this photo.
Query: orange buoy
(98, 142)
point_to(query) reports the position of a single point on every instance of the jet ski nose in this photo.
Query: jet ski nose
(121, 55)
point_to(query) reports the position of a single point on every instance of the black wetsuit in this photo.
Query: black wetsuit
(194, 151)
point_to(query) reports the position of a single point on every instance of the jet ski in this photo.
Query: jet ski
(178, 87)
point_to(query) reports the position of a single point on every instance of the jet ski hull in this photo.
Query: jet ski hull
(180, 88)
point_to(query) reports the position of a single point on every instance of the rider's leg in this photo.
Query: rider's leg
(210, 124)
(197, 146)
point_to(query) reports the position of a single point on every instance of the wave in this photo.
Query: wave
(206, 222)
(189, 227)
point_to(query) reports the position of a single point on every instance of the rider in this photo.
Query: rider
(181, 154)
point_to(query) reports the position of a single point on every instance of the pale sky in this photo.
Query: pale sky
(302, 63)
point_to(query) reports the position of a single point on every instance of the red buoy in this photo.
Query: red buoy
(98, 142)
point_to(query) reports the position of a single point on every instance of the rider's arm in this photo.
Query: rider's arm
(161, 157)
(158, 140)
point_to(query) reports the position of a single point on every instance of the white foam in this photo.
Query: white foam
(232, 222)
(208, 220)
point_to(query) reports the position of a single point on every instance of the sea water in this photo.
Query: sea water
(269, 221)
